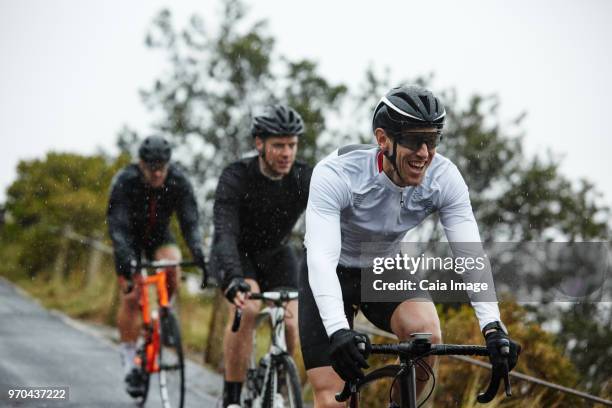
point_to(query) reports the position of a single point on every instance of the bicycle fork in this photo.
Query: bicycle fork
(407, 376)
(151, 318)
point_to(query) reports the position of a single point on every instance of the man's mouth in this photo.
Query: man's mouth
(417, 165)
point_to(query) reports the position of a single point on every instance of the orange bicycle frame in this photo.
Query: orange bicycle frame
(159, 280)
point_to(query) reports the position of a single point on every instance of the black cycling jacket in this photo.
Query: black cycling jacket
(139, 216)
(254, 214)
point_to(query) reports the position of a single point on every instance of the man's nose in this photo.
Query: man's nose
(423, 152)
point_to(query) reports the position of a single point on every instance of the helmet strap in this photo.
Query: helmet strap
(393, 158)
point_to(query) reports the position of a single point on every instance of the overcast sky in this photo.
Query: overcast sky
(70, 70)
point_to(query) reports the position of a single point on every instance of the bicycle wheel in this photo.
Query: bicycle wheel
(171, 362)
(282, 388)
(374, 388)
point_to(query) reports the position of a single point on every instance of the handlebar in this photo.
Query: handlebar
(166, 264)
(418, 348)
(278, 297)
(155, 265)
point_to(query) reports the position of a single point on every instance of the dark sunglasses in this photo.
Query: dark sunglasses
(414, 140)
(155, 166)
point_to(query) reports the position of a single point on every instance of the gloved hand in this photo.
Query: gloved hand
(128, 272)
(201, 263)
(236, 285)
(502, 350)
(346, 358)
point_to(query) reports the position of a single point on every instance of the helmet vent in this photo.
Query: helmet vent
(425, 100)
(411, 102)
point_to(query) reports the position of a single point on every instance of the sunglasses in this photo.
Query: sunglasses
(414, 140)
(155, 166)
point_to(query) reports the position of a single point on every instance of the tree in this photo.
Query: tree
(216, 80)
(61, 189)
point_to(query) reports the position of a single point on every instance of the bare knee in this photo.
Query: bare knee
(433, 327)
(325, 384)
(169, 252)
(416, 317)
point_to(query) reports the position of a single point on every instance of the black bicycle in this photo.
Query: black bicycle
(274, 381)
(411, 354)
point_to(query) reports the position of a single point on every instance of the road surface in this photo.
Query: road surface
(43, 348)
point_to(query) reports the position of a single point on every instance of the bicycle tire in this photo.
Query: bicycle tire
(171, 362)
(283, 388)
(371, 379)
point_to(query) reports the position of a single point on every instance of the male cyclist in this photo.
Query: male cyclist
(143, 197)
(362, 194)
(257, 203)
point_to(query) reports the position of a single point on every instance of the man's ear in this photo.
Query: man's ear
(259, 144)
(381, 138)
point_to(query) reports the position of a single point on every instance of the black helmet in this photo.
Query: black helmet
(155, 149)
(277, 120)
(408, 107)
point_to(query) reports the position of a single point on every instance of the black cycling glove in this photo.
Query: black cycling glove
(236, 285)
(502, 349)
(346, 357)
(128, 273)
(201, 263)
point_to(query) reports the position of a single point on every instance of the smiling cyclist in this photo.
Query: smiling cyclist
(363, 194)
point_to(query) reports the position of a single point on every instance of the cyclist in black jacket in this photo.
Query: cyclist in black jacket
(143, 197)
(257, 203)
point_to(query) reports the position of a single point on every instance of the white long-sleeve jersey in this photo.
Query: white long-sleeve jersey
(352, 201)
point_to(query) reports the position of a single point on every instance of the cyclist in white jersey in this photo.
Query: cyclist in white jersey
(361, 194)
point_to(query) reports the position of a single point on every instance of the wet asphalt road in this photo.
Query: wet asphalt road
(42, 348)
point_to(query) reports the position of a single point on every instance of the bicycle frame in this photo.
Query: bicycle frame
(276, 316)
(274, 313)
(407, 380)
(150, 318)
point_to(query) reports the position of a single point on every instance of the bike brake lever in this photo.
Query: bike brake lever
(348, 390)
(507, 386)
(489, 394)
(237, 318)
(505, 351)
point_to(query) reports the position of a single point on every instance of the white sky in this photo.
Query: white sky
(70, 69)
